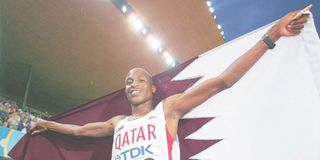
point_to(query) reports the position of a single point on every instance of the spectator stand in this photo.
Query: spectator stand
(14, 123)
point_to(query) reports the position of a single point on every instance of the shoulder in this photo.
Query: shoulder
(116, 119)
(170, 101)
(169, 106)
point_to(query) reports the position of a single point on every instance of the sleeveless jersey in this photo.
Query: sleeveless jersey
(142, 139)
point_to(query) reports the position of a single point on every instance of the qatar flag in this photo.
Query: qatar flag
(271, 113)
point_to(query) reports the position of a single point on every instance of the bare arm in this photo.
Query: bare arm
(97, 129)
(179, 104)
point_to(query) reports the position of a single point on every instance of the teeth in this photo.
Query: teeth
(135, 92)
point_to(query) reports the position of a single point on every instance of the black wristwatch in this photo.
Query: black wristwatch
(268, 41)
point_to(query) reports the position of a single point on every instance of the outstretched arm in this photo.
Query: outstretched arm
(179, 104)
(97, 129)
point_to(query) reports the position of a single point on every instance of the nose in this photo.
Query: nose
(134, 84)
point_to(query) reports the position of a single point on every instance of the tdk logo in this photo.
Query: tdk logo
(136, 152)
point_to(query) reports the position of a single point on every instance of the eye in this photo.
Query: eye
(141, 80)
(129, 81)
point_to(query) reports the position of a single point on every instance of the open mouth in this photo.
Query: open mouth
(135, 92)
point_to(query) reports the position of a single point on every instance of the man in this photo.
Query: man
(149, 133)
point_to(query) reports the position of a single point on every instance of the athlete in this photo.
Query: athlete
(150, 132)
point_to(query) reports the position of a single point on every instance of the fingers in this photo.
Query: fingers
(293, 15)
(302, 12)
(303, 19)
(295, 27)
(38, 131)
(37, 127)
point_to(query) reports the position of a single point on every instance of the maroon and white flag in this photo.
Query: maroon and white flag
(271, 113)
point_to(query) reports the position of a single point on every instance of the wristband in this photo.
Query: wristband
(268, 41)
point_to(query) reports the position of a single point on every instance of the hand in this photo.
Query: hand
(287, 26)
(38, 126)
(293, 27)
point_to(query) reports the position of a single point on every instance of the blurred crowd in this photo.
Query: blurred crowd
(13, 117)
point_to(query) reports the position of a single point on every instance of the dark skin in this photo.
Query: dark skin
(139, 88)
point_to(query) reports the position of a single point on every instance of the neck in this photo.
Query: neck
(141, 109)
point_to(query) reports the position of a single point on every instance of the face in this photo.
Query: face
(139, 88)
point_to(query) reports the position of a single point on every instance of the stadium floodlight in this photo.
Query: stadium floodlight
(124, 9)
(144, 31)
(153, 42)
(208, 3)
(211, 9)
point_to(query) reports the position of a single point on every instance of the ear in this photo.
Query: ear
(154, 89)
